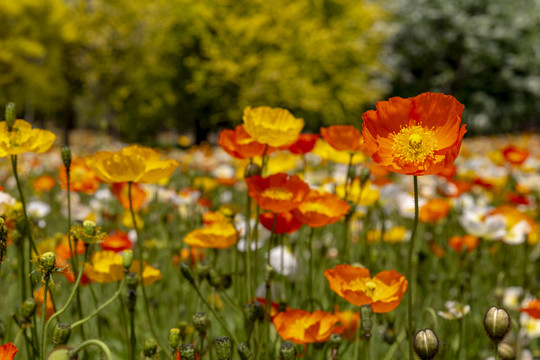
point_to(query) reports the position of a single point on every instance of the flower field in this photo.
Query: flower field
(398, 238)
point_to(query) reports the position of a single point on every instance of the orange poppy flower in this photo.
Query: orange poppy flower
(121, 192)
(414, 136)
(515, 155)
(302, 327)
(533, 308)
(320, 209)
(43, 183)
(8, 351)
(277, 193)
(286, 223)
(218, 235)
(117, 241)
(81, 177)
(343, 137)
(62, 249)
(304, 144)
(383, 292)
(239, 144)
(434, 210)
(467, 242)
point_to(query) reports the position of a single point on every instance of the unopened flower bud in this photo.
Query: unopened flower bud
(426, 344)
(252, 170)
(255, 311)
(132, 280)
(174, 338)
(66, 156)
(127, 259)
(506, 351)
(287, 351)
(150, 347)
(200, 322)
(61, 353)
(183, 327)
(187, 272)
(187, 352)
(335, 341)
(47, 263)
(366, 316)
(131, 299)
(364, 175)
(10, 115)
(61, 334)
(89, 227)
(224, 348)
(497, 323)
(244, 351)
(28, 308)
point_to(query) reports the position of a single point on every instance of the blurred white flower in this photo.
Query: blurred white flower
(38, 208)
(478, 222)
(454, 310)
(511, 296)
(5, 200)
(283, 261)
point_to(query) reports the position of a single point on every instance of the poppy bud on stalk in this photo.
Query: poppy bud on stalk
(244, 351)
(187, 352)
(132, 280)
(335, 341)
(287, 351)
(127, 259)
(252, 170)
(224, 348)
(201, 322)
(426, 344)
(150, 348)
(506, 351)
(28, 308)
(10, 115)
(497, 324)
(174, 339)
(61, 334)
(66, 156)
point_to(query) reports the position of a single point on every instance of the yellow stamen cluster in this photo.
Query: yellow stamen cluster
(277, 194)
(414, 144)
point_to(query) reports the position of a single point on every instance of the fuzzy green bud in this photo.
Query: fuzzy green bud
(131, 299)
(224, 348)
(335, 341)
(47, 263)
(61, 354)
(132, 280)
(10, 115)
(244, 351)
(61, 334)
(252, 170)
(28, 308)
(127, 259)
(497, 323)
(174, 338)
(66, 156)
(187, 272)
(287, 351)
(200, 322)
(254, 311)
(366, 316)
(150, 348)
(187, 352)
(89, 227)
(426, 344)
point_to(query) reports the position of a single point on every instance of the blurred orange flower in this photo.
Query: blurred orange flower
(304, 144)
(532, 308)
(515, 155)
(302, 327)
(39, 296)
(383, 292)
(8, 351)
(218, 235)
(349, 322)
(273, 126)
(106, 267)
(277, 193)
(466, 242)
(343, 137)
(117, 241)
(320, 209)
(62, 249)
(434, 210)
(414, 136)
(192, 254)
(286, 223)
(239, 144)
(43, 183)
(121, 192)
(81, 177)
(22, 138)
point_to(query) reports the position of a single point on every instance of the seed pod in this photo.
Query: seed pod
(200, 322)
(187, 352)
(127, 259)
(224, 348)
(426, 344)
(28, 308)
(497, 324)
(287, 351)
(252, 170)
(174, 338)
(66, 156)
(244, 351)
(61, 334)
(150, 347)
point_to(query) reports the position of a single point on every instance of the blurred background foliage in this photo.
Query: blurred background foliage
(137, 67)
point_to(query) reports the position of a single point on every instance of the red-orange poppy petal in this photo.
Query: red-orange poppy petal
(277, 193)
(321, 209)
(239, 144)
(533, 309)
(286, 223)
(8, 351)
(343, 137)
(304, 144)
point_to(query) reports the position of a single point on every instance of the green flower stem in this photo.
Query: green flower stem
(310, 276)
(20, 252)
(346, 185)
(248, 249)
(496, 351)
(104, 348)
(410, 296)
(132, 336)
(43, 317)
(103, 306)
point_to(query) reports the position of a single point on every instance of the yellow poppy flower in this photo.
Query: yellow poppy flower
(106, 267)
(150, 274)
(131, 164)
(365, 195)
(327, 152)
(218, 235)
(22, 138)
(272, 126)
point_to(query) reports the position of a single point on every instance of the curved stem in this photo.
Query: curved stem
(410, 296)
(43, 317)
(104, 348)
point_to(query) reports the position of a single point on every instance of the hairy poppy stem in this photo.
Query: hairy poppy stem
(410, 295)
(104, 348)
(43, 318)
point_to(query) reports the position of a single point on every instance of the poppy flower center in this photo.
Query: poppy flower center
(277, 194)
(370, 288)
(316, 208)
(414, 144)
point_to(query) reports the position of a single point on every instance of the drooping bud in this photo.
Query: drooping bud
(335, 341)
(244, 351)
(497, 324)
(131, 299)
(506, 351)
(287, 351)
(187, 272)
(252, 170)
(127, 259)
(200, 322)
(10, 115)
(366, 316)
(174, 338)
(187, 352)
(426, 344)
(28, 308)
(224, 348)
(132, 280)
(150, 348)
(66, 156)
(61, 334)
(389, 335)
